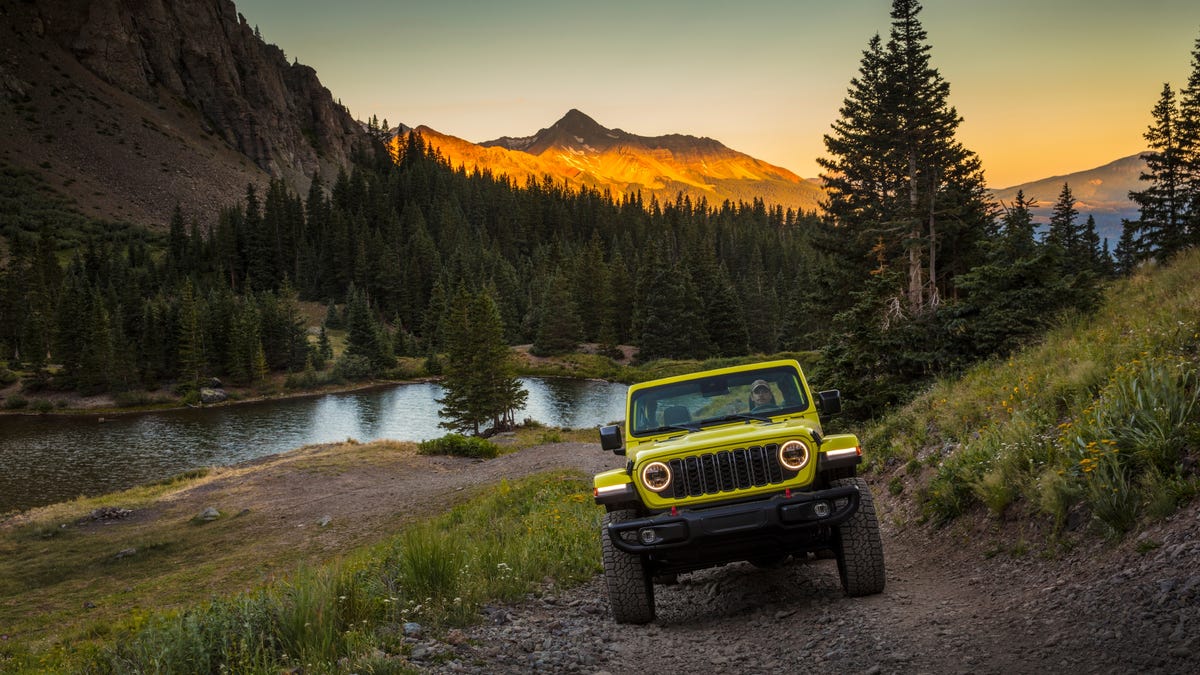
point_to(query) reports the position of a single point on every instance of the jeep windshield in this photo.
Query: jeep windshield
(717, 399)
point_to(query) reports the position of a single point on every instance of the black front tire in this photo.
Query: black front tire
(630, 587)
(859, 547)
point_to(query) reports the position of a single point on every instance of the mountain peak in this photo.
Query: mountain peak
(577, 121)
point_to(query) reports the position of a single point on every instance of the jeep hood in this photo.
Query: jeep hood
(729, 435)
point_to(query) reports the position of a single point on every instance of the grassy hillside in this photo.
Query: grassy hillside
(1097, 425)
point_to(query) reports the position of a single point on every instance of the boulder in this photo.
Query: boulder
(209, 396)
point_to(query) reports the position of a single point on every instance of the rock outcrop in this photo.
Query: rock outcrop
(193, 71)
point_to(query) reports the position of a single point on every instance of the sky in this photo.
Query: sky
(1045, 87)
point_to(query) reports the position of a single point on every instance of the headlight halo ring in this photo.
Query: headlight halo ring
(794, 455)
(656, 476)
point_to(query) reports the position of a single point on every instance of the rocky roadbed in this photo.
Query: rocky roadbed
(949, 607)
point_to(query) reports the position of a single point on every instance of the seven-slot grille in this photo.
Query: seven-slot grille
(727, 470)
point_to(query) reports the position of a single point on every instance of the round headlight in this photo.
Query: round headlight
(656, 476)
(793, 455)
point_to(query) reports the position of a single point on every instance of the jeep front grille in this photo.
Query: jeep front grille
(727, 470)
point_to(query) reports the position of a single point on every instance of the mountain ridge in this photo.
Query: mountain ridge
(584, 153)
(1102, 192)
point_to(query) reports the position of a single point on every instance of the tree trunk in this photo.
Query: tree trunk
(933, 289)
(915, 285)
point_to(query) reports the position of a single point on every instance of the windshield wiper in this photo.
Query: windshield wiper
(678, 427)
(758, 417)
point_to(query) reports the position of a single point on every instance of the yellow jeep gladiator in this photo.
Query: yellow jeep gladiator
(731, 465)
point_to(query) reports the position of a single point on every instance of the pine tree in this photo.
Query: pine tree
(559, 327)
(1063, 231)
(191, 337)
(1189, 144)
(364, 335)
(324, 348)
(897, 176)
(670, 315)
(478, 379)
(1128, 253)
(1162, 225)
(1015, 295)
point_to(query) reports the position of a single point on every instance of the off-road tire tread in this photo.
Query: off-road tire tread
(859, 546)
(630, 591)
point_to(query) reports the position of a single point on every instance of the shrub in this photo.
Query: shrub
(306, 379)
(16, 402)
(7, 376)
(43, 406)
(459, 446)
(352, 368)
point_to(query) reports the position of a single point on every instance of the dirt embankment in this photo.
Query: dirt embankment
(956, 601)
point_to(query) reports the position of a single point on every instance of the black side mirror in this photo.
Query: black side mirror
(829, 402)
(610, 439)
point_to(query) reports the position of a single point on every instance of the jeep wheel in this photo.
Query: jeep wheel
(858, 546)
(630, 592)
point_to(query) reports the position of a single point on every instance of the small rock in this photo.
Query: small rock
(412, 629)
(209, 514)
(88, 604)
(325, 520)
(125, 553)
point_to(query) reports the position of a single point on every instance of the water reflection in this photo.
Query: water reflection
(47, 459)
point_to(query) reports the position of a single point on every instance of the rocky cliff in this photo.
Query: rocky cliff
(132, 105)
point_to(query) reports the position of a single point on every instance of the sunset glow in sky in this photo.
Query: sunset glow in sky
(1045, 87)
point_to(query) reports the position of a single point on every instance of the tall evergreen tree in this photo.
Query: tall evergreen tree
(559, 328)
(365, 336)
(1189, 143)
(1162, 224)
(900, 184)
(191, 337)
(670, 315)
(907, 212)
(479, 382)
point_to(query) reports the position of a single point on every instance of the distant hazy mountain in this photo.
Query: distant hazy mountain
(1102, 192)
(579, 150)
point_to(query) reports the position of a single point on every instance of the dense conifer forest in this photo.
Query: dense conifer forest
(911, 271)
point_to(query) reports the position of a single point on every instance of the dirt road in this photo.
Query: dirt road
(953, 604)
(959, 599)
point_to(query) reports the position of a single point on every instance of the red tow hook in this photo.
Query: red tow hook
(674, 511)
(787, 493)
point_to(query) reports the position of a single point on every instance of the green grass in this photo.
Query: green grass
(1101, 415)
(348, 616)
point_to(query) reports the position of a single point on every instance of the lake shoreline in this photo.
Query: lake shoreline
(105, 409)
(72, 404)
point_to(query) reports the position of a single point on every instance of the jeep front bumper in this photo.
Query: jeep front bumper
(779, 514)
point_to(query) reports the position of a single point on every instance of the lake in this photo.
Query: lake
(54, 458)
